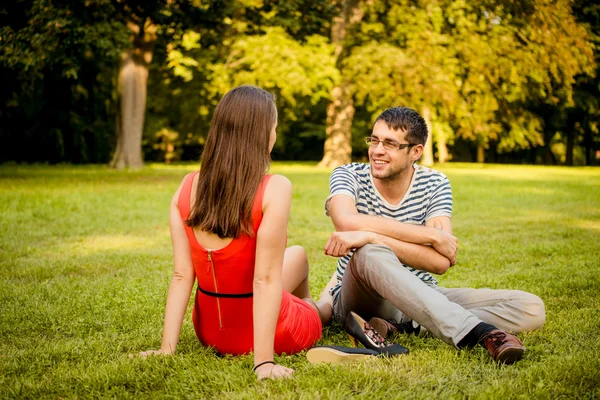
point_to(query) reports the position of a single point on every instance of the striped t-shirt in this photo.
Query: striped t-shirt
(429, 195)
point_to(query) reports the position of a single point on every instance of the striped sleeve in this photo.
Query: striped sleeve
(342, 181)
(440, 203)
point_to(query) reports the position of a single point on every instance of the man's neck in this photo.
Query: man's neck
(394, 190)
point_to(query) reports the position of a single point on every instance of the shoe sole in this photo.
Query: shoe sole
(324, 355)
(379, 326)
(510, 356)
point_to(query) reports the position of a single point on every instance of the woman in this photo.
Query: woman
(228, 227)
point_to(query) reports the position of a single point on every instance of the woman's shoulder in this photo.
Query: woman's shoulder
(278, 188)
(278, 180)
(190, 176)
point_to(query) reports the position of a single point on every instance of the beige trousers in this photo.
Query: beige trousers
(375, 284)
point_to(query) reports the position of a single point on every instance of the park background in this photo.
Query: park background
(122, 81)
(105, 105)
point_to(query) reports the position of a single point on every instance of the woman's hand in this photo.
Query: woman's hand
(147, 353)
(273, 371)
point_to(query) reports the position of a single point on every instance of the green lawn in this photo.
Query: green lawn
(85, 262)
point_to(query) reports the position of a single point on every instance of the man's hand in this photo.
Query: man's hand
(340, 243)
(445, 243)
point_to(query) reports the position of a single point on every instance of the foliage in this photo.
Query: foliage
(585, 112)
(476, 63)
(503, 75)
(58, 62)
(258, 47)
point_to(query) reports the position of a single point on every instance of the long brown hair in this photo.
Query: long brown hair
(235, 158)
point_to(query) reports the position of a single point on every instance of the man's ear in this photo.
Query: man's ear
(416, 152)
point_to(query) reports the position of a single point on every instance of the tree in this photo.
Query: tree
(340, 111)
(277, 45)
(58, 64)
(515, 55)
(146, 19)
(277, 62)
(132, 83)
(405, 59)
(584, 116)
(471, 67)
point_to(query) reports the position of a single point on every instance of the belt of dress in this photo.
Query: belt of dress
(226, 295)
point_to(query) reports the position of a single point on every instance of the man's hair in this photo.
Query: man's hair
(407, 120)
(234, 160)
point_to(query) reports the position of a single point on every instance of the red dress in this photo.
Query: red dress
(222, 314)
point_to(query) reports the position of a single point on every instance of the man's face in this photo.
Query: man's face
(389, 164)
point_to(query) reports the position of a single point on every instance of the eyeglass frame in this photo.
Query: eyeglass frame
(395, 146)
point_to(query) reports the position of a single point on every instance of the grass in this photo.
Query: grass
(85, 262)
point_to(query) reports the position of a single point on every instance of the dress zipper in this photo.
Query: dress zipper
(212, 265)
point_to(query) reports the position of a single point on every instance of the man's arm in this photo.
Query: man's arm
(423, 257)
(418, 256)
(345, 217)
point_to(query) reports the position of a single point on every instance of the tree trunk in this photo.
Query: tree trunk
(427, 157)
(480, 154)
(338, 146)
(571, 132)
(570, 143)
(132, 86)
(588, 143)
(548, 157)
(340, 112)
(442, 148)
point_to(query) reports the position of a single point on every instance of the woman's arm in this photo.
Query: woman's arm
(270, 247)
(181, 283)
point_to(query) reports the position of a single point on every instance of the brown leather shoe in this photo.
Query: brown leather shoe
(504, 347)
(388, 327)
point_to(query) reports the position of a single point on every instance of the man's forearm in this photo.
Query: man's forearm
(410, 233)
(346, 218)
(418, 256)
(332, 282)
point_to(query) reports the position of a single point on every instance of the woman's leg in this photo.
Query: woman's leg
(295, 272)
(295, 281)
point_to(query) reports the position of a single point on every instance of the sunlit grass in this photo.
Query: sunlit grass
(85, 260)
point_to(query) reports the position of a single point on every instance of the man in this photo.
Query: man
(393, 223)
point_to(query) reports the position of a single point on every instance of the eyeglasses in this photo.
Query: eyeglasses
(387, 144)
